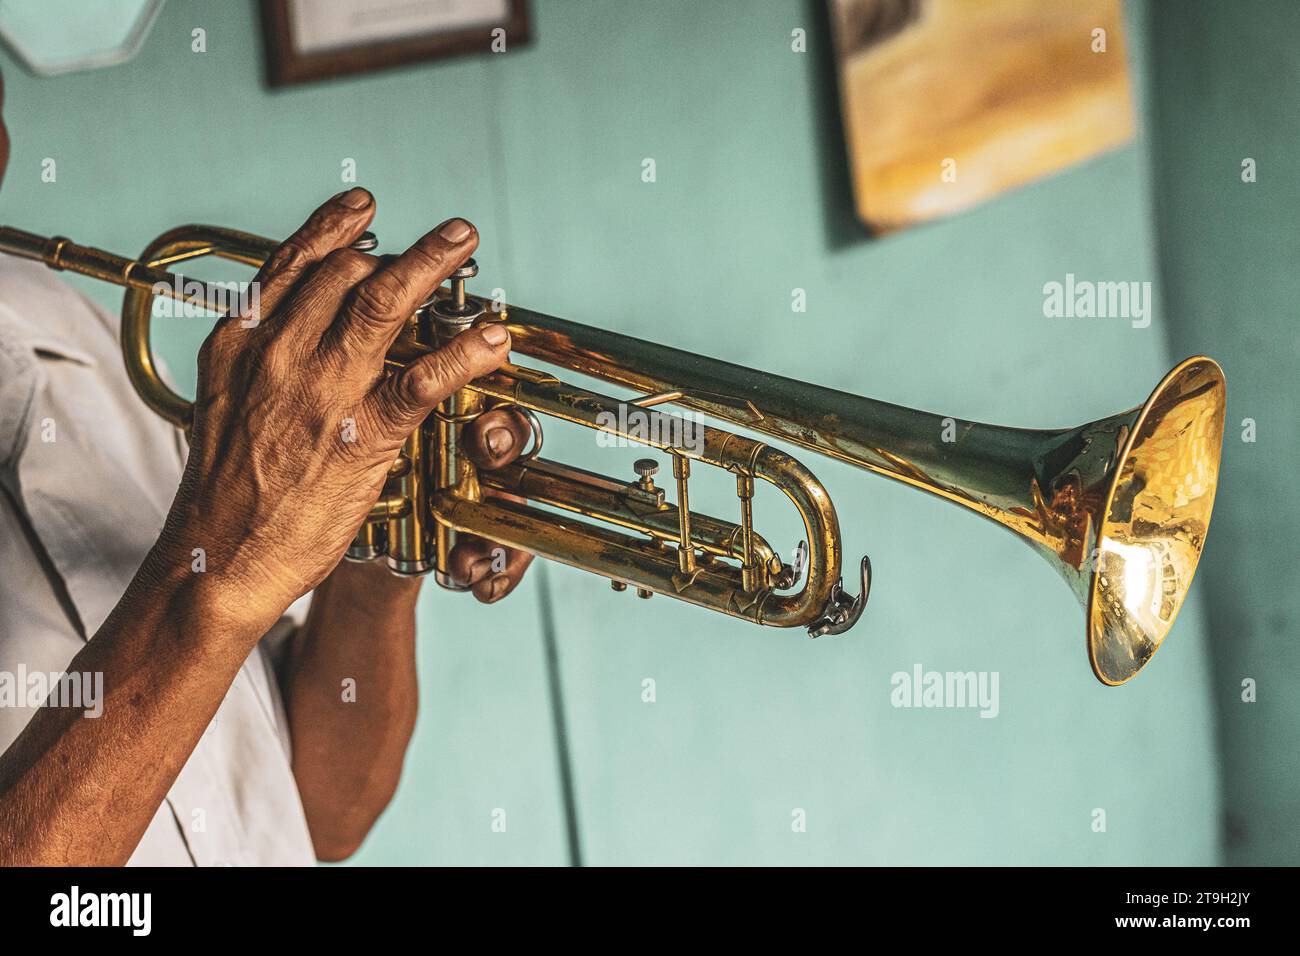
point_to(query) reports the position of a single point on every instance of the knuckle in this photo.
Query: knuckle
(435, 378)
(289, 256)
(376, 301)
(325, 218)
(427, 385)
(320, 223)
(347, 263)
(432, 259)
(429, 382)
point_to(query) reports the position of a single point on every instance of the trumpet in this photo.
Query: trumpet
(1120, 506)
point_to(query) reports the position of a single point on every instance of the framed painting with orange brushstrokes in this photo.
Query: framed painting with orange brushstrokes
(949, 102)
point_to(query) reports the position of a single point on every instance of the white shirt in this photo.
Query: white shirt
(87, 475)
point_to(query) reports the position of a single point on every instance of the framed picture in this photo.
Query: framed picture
(947, 103)
(309, 40)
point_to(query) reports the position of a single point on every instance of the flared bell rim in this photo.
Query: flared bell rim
(1189, 406)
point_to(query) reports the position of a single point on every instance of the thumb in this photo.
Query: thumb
(406, 399)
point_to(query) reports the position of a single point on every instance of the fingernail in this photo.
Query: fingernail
(500, 441)
(495, 333)
(354, 198)
(455, 230)
(498, 586)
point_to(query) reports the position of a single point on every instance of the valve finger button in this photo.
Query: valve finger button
(646, 468)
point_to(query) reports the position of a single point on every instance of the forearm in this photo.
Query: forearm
(351, 695)
(77, 790)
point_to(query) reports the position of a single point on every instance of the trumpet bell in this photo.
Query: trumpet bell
(1153, 522)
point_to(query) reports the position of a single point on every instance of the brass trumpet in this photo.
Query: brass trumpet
(1120, 506)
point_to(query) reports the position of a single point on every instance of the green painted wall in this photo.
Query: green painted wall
(1224, 91)
(543, 150)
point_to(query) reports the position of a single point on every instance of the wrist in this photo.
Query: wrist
(186, 582)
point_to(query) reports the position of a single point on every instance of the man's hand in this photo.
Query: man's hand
(272, 490)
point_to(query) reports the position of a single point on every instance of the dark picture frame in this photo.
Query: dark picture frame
(287, 65)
